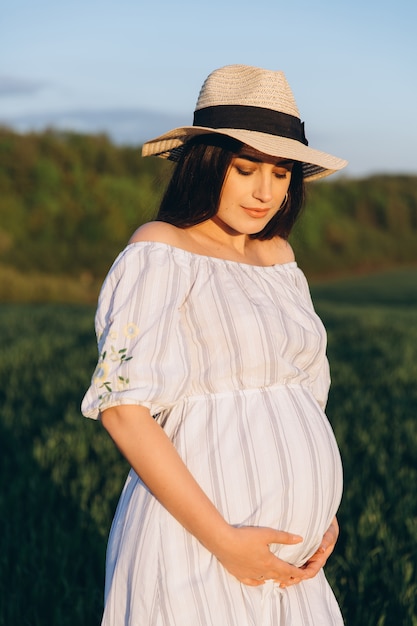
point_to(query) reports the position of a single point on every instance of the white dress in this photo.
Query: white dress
(230, 359)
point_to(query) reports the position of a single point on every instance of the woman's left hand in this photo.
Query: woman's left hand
(319, 558)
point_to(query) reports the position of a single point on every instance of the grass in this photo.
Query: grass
(61, 476)
(372, 333)
(35, 287)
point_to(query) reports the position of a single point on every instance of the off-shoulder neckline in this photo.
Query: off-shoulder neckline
(207, 258)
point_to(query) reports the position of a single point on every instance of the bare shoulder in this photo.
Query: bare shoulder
(288, 252)
(157, 231)
(281, 251)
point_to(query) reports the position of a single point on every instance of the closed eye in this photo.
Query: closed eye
(243, 172)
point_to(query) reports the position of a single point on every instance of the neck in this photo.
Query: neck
(218, 236)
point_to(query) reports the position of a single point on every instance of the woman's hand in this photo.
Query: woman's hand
(246, 555)
(319, 558)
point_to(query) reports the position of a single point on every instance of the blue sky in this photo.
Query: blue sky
(134, 69)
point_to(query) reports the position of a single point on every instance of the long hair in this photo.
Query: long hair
(193, 193)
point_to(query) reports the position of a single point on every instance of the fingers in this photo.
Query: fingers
(252, 582)
(312, 567)
(248, 556)
(315, 563)
(290, 575)
(329, 538)
(318, 559)
(289, 583)
(281, 536)
(279, 571)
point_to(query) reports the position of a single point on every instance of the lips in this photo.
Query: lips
(256, 213)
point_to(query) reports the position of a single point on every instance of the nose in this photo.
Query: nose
(263, 188)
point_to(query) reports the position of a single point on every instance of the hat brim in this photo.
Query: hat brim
(316, 164)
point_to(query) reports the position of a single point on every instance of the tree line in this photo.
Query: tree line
(69, 202)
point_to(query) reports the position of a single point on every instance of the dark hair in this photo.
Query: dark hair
(193, 193)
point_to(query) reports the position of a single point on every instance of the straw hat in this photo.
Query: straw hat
(254, 106)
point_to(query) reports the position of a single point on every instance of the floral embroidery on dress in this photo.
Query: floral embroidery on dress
(102, 370)
(131, 330)
(122, 383)
(118, 355)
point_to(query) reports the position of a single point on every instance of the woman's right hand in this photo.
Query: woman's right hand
(246, 555)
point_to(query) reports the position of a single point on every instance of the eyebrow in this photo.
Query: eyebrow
(253, 159)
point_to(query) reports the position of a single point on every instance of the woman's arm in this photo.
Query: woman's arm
(243, 551)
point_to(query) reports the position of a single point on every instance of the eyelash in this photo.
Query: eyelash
(243, 172)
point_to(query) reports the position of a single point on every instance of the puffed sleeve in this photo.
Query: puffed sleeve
(142, 356)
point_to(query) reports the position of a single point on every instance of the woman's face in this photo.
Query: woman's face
(253, 191)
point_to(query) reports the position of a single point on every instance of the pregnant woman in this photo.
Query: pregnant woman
(212, 379)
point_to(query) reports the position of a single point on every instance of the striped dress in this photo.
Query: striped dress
(230, 360)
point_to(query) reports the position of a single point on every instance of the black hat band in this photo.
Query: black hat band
(253, 118)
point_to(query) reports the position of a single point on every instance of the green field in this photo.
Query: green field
(61, 475)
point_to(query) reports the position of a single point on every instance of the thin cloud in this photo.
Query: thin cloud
(12, 86)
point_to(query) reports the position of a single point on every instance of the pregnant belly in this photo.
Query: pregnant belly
(265, 458)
